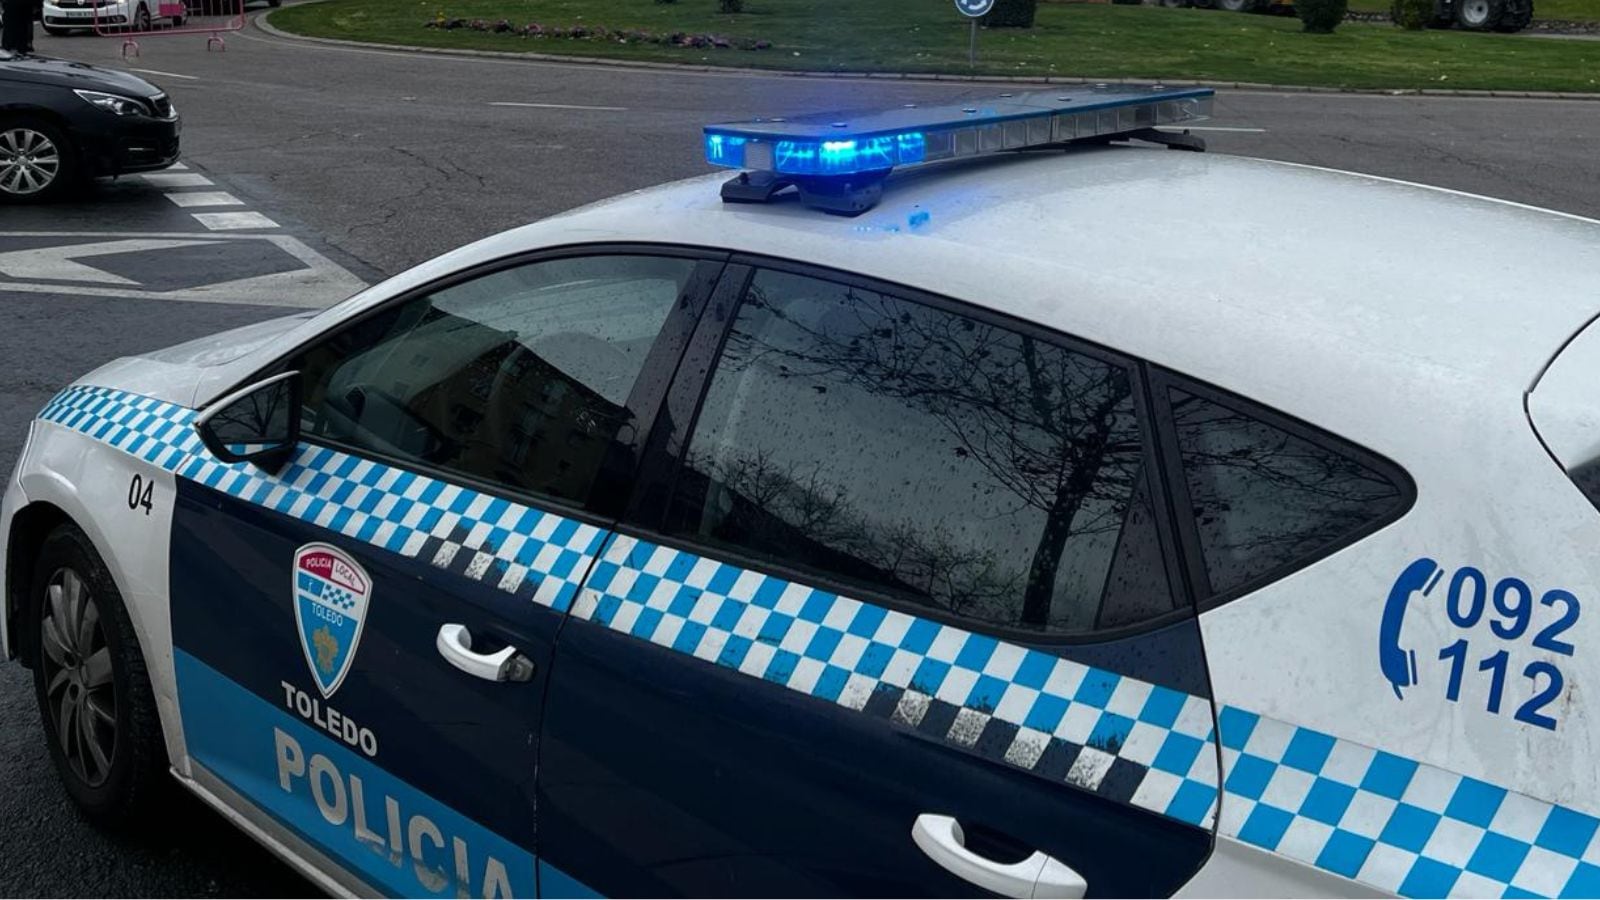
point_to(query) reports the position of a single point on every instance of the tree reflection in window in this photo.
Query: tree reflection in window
(967, 466)
(1264, 498)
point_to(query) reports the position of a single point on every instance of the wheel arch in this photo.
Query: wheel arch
(31, 525)
(30, 111)
(70, 477)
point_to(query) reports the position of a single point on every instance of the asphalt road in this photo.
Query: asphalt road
(363, 162)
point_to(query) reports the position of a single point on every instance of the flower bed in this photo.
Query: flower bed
(597, 33)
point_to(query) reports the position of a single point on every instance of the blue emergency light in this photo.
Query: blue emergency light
(839, 162)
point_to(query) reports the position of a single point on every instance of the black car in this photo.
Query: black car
(62, 122)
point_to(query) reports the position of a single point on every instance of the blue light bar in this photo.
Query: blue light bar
(837, 144)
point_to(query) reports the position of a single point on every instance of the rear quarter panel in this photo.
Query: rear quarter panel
(1298, 664)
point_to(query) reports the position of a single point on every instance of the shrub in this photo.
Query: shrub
(1321, 16)
(1011, 14)
(1412, 15)
(730, 6)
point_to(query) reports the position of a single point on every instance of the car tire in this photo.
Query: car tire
(93, 689)
(1479, 15)
(21, 138)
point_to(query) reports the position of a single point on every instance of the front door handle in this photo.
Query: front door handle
(1039, 875)
(455, 645)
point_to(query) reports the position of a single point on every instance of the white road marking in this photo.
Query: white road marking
(560, 106)
(1179, 128)
(166, 74)
(233, 221)
(177, 167)
(188, 199)
(175, 179)
(321, 283)
(57, 263)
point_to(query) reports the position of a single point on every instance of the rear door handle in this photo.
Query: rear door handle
(1039, 875)
(455, 645)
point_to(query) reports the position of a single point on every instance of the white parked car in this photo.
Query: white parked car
(1110, 521)
(62, 16)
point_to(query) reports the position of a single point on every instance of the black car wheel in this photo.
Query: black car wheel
(93, 689)
(36, 161)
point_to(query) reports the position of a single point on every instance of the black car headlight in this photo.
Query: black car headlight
(113, 103)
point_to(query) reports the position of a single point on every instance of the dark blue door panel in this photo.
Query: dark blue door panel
(712, 730)
(403, 724)
(664, 775)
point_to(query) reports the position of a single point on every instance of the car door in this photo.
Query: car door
(363, 638)
(894, 611)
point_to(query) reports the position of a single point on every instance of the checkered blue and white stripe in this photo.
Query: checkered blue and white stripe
(519, 549)
(1393, 823)
(1124, 739)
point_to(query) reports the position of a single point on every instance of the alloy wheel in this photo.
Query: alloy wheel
(80, 691)
(29, 162)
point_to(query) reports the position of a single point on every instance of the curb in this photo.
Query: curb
(261, 22)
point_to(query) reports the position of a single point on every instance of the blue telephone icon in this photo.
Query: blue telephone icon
(1399, 664)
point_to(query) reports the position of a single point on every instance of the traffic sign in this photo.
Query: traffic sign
(974, 8)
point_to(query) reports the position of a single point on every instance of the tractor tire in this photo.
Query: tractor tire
(1479, 15)
(1239, 5)
(1517, 16)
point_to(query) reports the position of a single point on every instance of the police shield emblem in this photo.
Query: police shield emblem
(331, 591)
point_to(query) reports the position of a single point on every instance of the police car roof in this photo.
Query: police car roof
(1238, 270)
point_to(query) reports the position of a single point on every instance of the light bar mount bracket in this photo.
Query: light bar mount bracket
(1172, 140)
(840, 195)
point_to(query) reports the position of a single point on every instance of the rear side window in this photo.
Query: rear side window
(923, 454)
(1265, 498)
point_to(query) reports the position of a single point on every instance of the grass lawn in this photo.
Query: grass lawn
(929, 36)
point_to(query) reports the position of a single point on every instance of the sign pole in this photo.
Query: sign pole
(973, 10)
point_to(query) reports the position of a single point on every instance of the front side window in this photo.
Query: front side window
(920, 453)
(520, 377)
(1264, 498)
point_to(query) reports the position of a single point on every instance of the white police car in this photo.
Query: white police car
(1108, 521)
